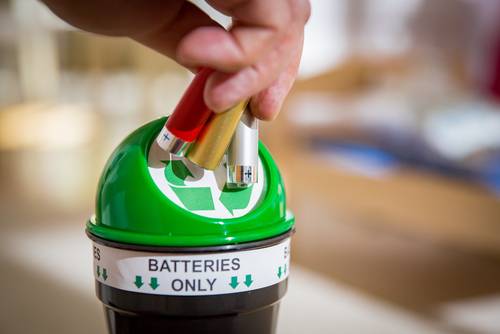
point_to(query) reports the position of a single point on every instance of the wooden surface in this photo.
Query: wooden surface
(412, 238)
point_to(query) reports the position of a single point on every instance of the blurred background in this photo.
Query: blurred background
(389, 145)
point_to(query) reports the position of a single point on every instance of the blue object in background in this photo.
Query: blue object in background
(358, 158)
(373, 161)
(491, 174)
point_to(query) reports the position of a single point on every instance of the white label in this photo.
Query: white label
(192, 274)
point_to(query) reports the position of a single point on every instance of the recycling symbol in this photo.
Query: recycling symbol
(204, 192)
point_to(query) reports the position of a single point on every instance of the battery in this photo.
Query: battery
(243, 152)
(188, 118)
(209, 149)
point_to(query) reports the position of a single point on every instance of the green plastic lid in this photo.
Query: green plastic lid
(145, 198)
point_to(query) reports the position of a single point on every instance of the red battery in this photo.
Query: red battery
(188, 118)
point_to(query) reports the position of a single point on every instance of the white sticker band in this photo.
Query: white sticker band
(188, 274)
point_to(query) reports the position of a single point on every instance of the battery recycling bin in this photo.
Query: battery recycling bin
(177, 251)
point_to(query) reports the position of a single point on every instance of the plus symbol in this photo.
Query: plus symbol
(248, 174)
(166, 137)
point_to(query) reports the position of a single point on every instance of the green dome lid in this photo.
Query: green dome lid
(145, 200)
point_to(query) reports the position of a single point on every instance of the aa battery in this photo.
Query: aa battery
(243, 152)
(188, 118)
(208, 150)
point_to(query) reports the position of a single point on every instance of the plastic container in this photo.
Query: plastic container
(177, 251)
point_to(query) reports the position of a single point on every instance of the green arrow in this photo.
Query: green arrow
(104, 274)
(284, 271)
(195, 198)
(98, 271)
(154, 283)
(199, 198)
(176, 172)
(234, 282)
(138, 282)
(279, 272)
(235, 198)
(248, 280)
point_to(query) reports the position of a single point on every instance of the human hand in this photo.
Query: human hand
(258, 57)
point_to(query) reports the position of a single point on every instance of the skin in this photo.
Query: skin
(258, 57)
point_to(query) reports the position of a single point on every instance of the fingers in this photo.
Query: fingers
(257, 26)
(167, 37)
(257, 57)
(224, 90)
(251, 56)
(267, 104)
(222, 50)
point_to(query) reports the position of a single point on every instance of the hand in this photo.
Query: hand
(258, 57)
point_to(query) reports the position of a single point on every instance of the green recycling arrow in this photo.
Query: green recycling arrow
(237, 198)
(154, 283)
(138, 282)
(176, 172)
(104, 274)
(98, 271)
(234, 282)
(248, 280)
(279, 272)
(193, 198)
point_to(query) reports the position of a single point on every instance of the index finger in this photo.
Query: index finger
(257, 25)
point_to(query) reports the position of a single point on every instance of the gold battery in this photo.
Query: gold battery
(209, 148)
